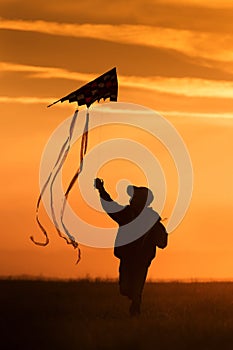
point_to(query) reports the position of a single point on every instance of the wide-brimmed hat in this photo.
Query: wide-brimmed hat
(143, 193)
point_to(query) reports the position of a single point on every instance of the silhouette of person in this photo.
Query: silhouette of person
(135, 243)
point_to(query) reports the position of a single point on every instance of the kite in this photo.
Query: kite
(104, 87)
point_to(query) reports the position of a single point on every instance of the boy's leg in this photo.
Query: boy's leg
(140, 274)
(125, 279)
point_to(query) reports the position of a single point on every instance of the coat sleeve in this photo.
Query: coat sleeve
(116, 211)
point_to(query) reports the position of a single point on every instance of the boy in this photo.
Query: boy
(135, 244)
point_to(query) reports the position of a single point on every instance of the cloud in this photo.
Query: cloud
(166, 113)
(45, 72)
(192, 14)
(197, 115)
(25, 100)
(172, 114)
(218, 4)
(205, 45)
(188, 87)
(83, 54)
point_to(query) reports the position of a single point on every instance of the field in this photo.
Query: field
(92, 315)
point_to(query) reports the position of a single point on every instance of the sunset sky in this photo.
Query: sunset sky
(175, 57)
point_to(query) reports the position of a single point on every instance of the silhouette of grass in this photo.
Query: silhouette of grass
(92, 315)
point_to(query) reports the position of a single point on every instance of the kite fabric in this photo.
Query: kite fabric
(105, 86)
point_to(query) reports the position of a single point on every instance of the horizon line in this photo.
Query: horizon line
(111, 280)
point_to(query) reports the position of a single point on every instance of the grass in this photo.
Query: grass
(92, 315)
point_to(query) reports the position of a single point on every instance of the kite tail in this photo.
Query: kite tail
(84, 138)
(55, 176)
(83, 151)
(59, 162)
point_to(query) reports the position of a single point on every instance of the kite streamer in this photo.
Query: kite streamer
(103, 87)
(83, 151)
(51, 179)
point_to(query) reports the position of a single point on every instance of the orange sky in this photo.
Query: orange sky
(171, 56)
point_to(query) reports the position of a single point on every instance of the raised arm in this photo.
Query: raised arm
(99, 185)
(112, 208)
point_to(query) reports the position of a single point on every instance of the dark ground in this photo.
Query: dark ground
(92, 315)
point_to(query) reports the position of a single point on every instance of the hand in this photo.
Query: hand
(98, 183)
